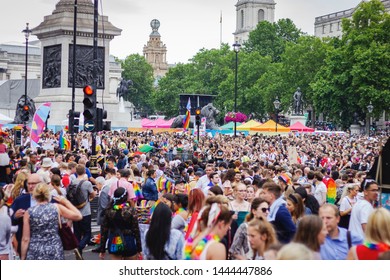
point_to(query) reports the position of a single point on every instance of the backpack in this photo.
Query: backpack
(75, 196)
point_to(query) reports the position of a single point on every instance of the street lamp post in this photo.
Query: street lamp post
(26, 32)
(277, 106)
(236, 47)
(370, 108)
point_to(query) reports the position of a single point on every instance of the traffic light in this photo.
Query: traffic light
(26, 113)
(89, 113)
(197, 116)
(102, 125)
(74, 121)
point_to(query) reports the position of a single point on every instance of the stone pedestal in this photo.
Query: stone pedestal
(355, 129)
(297, 118)
(56, 36)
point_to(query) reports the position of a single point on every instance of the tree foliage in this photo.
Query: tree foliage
(136, 68)
(357, 71)
(337, 76)
(270, 39)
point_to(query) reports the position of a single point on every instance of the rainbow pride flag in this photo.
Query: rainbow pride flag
(137, 191)
(64, 143)
(186, 121)
(331, 193)
(153, 207)
(164, 185)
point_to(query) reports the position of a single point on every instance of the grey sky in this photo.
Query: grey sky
(186, 25)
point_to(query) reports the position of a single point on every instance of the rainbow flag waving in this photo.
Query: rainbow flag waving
(331, 193)
(164, 185)
(186, 121)
(137, 191)
(64, 143)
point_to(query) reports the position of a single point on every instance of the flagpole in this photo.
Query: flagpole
(220, 31)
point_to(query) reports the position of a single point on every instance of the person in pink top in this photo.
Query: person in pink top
(124, 183)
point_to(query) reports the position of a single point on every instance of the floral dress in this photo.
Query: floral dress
(45, 243)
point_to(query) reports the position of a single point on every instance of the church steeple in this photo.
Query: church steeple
(249, 13)
(155, 52)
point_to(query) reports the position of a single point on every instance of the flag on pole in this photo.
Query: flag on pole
(186, 121)
(38, 124)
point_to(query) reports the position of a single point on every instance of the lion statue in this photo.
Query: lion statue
(19, 109)
(208, 111)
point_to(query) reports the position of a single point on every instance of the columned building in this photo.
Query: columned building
(249, 13)
(330, 25)
(155, 52)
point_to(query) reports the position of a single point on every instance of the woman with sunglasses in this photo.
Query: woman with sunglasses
(240, 248)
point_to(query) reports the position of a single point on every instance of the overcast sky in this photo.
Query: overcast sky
(186, 25)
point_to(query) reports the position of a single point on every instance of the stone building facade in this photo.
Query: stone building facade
(330, 25)
(249, 13)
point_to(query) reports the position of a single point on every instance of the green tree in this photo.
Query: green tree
(270, 39)
(301, 62)
(202, 75)
(251, 67)
(136, 68)
(358, 71)
(166, 96)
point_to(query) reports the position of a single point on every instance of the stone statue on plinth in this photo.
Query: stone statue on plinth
(298, 100)
(123, 88)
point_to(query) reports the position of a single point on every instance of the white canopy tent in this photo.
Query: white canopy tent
(4, 119)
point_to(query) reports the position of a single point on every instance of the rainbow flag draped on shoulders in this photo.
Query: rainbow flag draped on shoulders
(186, 121)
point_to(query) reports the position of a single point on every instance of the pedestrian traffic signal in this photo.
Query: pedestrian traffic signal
(26, 113)
(101, 124)
(89, 102)
(197, 116)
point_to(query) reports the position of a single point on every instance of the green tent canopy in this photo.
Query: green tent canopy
(229, 126)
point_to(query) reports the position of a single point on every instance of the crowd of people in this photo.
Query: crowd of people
(293, 196)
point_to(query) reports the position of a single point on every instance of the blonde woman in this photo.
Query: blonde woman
(347, 202)
(377, 239)
(40, 225)
(239, 205)
(261, 234)
(295, 251)
(20, 185)
(240, 248)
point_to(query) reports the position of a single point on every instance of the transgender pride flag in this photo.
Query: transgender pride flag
(186, 121)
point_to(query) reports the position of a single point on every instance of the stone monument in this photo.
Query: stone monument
(355, 126)
(56, 36)
(297, 115)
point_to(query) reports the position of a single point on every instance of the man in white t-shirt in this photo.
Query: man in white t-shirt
(363, 208)
(204, 181)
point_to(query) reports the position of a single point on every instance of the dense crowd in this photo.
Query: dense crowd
(293, 196)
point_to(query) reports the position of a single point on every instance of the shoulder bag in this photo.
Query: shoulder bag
(68, 238)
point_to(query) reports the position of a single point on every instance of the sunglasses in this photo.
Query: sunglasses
(264, 210)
